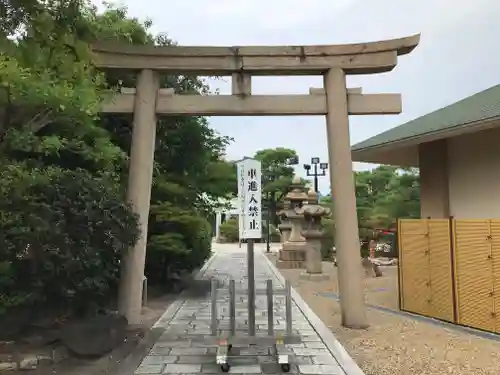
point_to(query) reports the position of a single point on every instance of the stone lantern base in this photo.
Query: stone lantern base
(292, 256)
(285, 230)
(314, 276)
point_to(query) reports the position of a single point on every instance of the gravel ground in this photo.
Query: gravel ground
(397, 344)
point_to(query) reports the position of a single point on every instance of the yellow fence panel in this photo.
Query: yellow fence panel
(474, 273)
(495, 250)
(451, 273)
(426, 281)
(441, 270)
(414, 266)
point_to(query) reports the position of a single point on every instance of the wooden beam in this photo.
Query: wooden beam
(161, 91)
(241, 84)
(124, 102)
(359, 58)
(400, 45)
(321, 91)
(120, 103)
(258, 105)
(255, 65)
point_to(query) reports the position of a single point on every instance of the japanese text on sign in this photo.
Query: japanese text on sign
(249, 198)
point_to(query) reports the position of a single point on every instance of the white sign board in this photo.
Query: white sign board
(250, 198)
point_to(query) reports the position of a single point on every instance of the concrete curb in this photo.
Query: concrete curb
(334, 346)
(134, 359)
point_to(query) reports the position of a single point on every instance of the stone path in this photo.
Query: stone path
(173, 354)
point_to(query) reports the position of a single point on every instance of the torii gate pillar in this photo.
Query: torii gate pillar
(344, 201)
(139, 192)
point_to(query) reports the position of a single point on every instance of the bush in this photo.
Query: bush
(62, 234)
(328, 240)
(275, 234)
(273, 231)
(180, 240)
(230, 230)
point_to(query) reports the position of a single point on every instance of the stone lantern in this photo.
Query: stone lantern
(285, 227)
(292, 253)
(311, 199)
(313, 213)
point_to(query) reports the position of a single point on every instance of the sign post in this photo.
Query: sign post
(250, 222)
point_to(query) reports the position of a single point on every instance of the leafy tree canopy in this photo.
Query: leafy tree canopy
(385, 194)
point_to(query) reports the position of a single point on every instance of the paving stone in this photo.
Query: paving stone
(181, 368)
(301, 345)
(210, 369)
(320, 369)
(173, 344)
(271, 368)
(311, 338)
(207, 345)
(304, 360)
(243, 360)
(188, 351)
(195, 359)
(309, 351)
(324, 359)
(253, 351)
(266, 359)
(159, 359)
(245, 369)
(159, 351)
(149, 369)
(315, 345)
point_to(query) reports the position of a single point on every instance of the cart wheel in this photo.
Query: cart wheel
(225, 367)
(285, 367)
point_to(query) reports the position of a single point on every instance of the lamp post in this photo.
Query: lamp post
(315, 173)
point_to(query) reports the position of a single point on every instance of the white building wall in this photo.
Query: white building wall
(474, 175)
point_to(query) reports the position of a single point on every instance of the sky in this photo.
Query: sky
(458, 55)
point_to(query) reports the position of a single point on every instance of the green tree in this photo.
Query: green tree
(50, 128)
(384, 194)
(277, 175)
(63, 218)
(401, 198)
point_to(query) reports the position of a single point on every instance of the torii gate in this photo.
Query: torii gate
(334, 101)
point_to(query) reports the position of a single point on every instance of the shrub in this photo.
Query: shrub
(328, 240)
(180, 240)
(62, 234)
(273, 231)
(230, 230)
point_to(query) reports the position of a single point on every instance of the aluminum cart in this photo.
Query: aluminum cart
(275, 341)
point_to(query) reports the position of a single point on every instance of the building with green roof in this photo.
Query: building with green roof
(457, 149)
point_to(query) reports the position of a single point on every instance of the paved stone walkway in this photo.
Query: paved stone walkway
(173, 354)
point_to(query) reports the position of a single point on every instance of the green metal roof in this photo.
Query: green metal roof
(481, 106)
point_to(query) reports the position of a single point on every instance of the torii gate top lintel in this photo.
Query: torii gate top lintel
(358, 58)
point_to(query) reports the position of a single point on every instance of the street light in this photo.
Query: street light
(322, 166)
